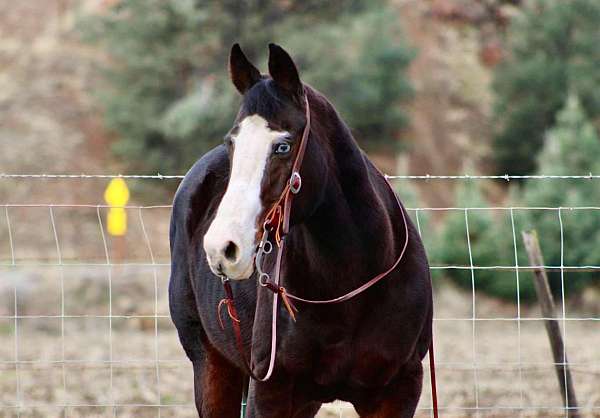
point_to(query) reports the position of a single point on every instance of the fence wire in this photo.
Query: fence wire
(134, 354)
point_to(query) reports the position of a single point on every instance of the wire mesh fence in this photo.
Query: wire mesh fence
(85, 328)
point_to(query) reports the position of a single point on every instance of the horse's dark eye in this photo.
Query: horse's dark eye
(282, 148)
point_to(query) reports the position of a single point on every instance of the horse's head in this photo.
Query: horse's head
(262, 146)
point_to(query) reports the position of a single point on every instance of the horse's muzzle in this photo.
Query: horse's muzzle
(228, 254)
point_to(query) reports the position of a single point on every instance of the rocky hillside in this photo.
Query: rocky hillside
(48, 122)
(458, 42)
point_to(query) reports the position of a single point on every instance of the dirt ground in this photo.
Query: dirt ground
(490, 376)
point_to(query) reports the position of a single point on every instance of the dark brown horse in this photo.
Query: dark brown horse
(346, 227)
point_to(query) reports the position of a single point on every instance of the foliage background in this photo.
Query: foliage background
(167, 92)
(571, 147)
(553, 50)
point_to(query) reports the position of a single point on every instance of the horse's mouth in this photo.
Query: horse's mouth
(238, 272)
(241, 270)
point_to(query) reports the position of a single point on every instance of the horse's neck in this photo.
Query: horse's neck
(349, 234)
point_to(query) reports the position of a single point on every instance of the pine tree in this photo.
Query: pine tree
(553, 49)
(572, 147)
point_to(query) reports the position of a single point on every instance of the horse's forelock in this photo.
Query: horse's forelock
(264, 99)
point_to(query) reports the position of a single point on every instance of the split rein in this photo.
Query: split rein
(276, 225)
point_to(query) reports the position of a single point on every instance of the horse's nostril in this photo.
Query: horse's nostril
(231, 251)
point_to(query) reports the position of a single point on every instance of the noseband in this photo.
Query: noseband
(275, 228)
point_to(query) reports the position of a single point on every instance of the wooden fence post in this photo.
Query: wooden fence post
(542, 289)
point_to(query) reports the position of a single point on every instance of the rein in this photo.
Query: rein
(276, 224)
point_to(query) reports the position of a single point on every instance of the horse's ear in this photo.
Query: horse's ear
(241, 71)
(284, 71)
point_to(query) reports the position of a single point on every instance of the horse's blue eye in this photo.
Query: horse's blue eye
(282, 148)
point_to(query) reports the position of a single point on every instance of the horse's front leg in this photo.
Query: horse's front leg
(218, 386)
(277, 399)
(399, 399)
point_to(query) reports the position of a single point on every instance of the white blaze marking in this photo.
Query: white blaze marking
(253, 146)
(237, 214)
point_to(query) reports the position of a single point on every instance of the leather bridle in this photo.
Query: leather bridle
(276, 226)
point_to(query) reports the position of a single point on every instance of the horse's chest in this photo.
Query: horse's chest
(372, 366)
(352, 364)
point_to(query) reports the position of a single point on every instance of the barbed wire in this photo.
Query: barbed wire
(159, 176)
(156, 176)
(506, 177)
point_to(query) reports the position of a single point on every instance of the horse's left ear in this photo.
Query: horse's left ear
(242, 72)
(284, 71)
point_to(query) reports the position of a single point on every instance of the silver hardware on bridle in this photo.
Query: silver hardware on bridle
(295, 182)
(264, 248)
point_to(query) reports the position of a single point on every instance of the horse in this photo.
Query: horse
(344, 227)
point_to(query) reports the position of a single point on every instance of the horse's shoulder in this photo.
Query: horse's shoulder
(200, 188)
